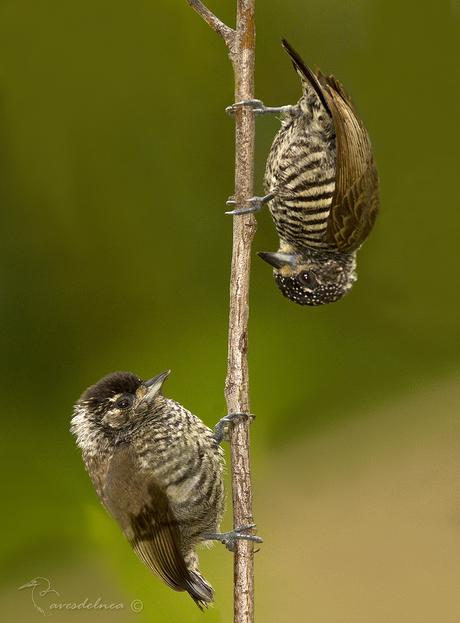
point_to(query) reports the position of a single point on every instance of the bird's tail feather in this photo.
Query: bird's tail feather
(199, 590)
(305, 73)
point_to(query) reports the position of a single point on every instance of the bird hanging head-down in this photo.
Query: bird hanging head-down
(322, 189)
(157, 469)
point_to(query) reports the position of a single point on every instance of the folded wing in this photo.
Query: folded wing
(140, 504)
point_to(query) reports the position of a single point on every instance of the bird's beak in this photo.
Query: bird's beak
(30, 584)
(278, 260)
(154, 385)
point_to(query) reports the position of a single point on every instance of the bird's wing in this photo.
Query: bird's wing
(141, 506)
(355, 202)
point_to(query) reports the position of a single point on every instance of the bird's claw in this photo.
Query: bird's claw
(259, 108)
(230, 538)
(254, 204)
(221, 428)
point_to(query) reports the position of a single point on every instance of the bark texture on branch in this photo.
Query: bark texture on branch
(241, 46)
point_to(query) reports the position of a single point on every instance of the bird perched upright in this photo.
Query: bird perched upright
(158, 471)
(322, 189)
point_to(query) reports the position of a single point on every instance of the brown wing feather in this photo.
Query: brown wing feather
(156, 540)
(141, 506)
(356, 201)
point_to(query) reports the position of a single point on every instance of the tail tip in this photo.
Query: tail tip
(285, 43)
(200, 591)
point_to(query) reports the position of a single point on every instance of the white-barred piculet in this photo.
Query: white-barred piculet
(157, 469)
(322, 189)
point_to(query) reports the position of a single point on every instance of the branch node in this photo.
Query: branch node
(224, 31)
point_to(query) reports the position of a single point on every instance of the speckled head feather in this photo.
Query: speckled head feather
(313, 277)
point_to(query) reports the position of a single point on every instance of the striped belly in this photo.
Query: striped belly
(196, 493)
(303, 172)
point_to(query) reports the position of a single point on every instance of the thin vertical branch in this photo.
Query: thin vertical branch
(237, 382)
(241, 46)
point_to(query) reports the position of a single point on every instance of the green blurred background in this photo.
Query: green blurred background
(116, 158)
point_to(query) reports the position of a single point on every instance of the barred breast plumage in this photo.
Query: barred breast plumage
(188, 464)
(301, 167)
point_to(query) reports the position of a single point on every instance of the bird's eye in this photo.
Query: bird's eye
(307, 280)
(124, 403)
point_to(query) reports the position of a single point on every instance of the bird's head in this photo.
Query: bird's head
(313, 277)
(116, 403)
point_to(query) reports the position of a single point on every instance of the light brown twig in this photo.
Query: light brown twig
(241, 46)
(227, 33)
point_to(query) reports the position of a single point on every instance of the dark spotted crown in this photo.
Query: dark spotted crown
(109, 386)
(294, 288)
(313, 277)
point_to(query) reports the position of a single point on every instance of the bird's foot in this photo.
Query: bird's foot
(254, 204)
(222, 426)
(230, 538)
(259, 108)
